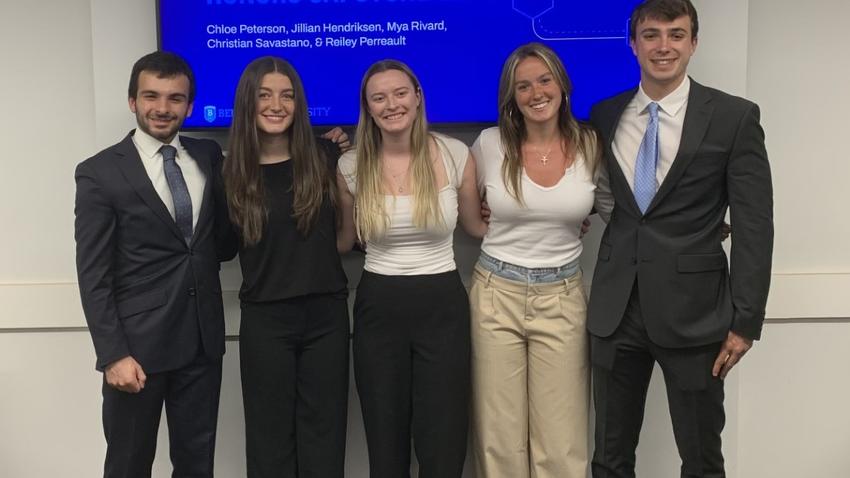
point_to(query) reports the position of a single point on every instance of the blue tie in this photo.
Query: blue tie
(179, 192)
(647, 161)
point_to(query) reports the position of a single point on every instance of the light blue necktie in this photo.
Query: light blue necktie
(179, 192)
(647, 162)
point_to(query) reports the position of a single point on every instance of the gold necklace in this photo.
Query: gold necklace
(544, 157)
(398, 179)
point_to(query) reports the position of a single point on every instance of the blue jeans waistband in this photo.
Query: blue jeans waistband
(531, 275)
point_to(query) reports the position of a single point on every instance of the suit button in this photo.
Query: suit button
(191, 291)
(634, 260)
(191, 252)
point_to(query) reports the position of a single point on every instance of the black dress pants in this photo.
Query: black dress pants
(131, 422)
(411, 365)
(294, 362)
(622, 367)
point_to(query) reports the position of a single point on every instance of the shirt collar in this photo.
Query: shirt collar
(670, 104)
(149, 145)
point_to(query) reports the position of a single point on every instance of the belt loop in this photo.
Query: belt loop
(489, 275)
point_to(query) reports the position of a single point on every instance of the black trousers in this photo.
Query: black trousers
(294, 361)
(411, 364)
(622, 367)
(131, 422)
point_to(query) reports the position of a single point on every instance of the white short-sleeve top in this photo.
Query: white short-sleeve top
(545, 231)
(404, 248)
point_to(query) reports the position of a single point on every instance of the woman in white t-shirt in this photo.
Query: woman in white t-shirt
(402, 192)
(530, 356)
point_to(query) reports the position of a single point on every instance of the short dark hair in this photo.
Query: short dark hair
(166, 65)
(668, 10)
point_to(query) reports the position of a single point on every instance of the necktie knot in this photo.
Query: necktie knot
(653, 110)
(168, 152)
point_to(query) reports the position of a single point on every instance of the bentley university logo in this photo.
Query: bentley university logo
(210, 113)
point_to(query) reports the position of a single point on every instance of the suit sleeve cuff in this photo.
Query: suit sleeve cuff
(749, 328)
(104, 358)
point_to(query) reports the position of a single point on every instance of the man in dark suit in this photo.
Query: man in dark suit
(148, 211)
(677, 156)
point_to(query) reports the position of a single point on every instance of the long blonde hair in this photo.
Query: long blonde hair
(371, 218)
(577, 137)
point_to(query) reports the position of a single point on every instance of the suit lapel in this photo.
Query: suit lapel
(203, 162)
(697, 119)
(616, 175)
(134, 171)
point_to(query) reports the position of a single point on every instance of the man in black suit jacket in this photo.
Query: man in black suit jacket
(150, 289)
(662, 290)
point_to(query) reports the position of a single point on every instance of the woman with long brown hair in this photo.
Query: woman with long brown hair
(530, 368)
(294, 332)
(402, 192)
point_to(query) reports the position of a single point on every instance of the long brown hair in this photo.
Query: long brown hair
(243, 179)
(580, 138)
(372, 219)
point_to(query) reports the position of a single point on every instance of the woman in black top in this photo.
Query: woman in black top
(294, 332)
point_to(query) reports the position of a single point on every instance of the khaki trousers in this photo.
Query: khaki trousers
(530, 378)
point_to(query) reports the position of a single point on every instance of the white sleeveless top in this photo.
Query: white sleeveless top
(545, 232)
(406, 249)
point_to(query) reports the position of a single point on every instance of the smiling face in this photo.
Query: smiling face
(161, 104)
(275, 103)
(536, 91)
(393, 101)
(663, 49)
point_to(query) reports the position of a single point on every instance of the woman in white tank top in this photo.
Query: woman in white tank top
(402, 191)
(530, 357)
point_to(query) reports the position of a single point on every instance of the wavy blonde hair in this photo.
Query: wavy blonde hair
(575, 136)
(371, 218)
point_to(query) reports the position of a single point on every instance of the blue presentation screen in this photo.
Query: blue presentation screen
(456, 48)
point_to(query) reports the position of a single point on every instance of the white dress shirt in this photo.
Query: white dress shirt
(148, 148)
(632, 126)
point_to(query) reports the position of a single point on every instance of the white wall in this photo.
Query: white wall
(63, 88)
(794, 418)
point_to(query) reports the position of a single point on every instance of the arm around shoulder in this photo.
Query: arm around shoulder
(469, 201)
(226, 238)
(346, 235)
(346, 184)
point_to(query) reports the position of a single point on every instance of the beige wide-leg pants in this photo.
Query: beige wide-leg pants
(530, 378)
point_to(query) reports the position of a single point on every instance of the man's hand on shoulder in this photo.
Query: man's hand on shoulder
(126, 375)
(731, 352)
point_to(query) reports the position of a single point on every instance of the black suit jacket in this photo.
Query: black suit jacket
(145, 292)
(688, 294)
